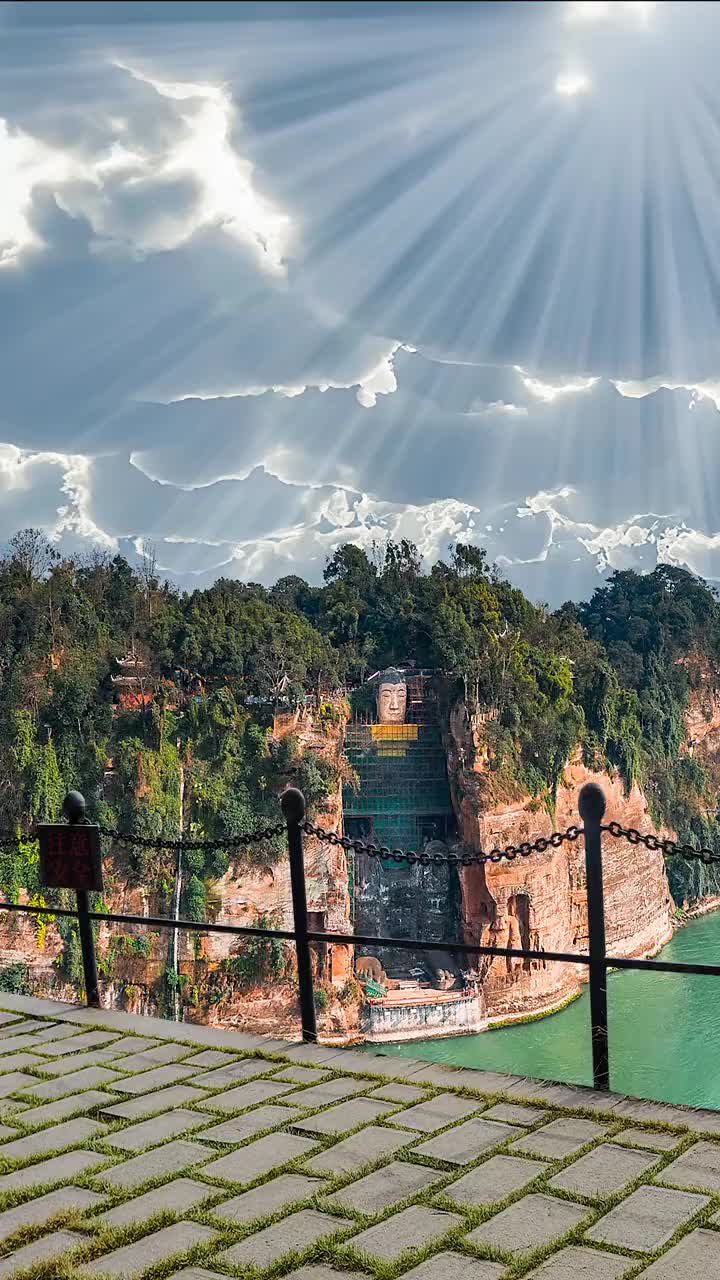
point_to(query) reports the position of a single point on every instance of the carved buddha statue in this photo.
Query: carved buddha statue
(391, 697)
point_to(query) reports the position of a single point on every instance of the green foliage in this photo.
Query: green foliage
(610, 678)
(322, 999)
(15, 978)
(258, 959)
(195, 899)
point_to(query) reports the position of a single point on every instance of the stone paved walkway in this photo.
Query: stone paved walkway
(132, 1147)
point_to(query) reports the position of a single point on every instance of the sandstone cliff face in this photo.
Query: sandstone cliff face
(540, 902)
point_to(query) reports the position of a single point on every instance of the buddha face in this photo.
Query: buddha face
(391, 702)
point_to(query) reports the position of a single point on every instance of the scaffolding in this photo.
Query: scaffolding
(403, 796)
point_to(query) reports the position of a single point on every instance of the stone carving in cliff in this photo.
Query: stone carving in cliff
(540, 902)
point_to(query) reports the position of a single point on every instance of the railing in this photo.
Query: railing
(592, 810)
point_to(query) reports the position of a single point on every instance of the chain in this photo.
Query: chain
(671, 848)
(541, 845)
(225, 842)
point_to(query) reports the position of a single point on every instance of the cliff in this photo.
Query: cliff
(540, 902)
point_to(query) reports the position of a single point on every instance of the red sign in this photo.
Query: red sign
(69, 856)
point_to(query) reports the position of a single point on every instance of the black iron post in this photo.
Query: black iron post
(292, 803)
(592, 808)
(74, 811)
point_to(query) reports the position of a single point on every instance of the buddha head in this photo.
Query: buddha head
(391, 697)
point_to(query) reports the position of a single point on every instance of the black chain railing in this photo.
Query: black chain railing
(295, 826)
(450, 859)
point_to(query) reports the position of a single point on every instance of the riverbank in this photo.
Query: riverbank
(664, 1031)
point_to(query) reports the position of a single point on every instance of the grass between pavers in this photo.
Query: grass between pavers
(351, 1221)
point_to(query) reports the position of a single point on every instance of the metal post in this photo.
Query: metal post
(292, 803)
(74, 811)
(592, 808)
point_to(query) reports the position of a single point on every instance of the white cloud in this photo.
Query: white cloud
(549, 392)
(709, 389)
(141, 191)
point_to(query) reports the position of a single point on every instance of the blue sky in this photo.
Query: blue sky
(275, 276)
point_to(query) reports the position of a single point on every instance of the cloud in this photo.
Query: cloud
(143, 185)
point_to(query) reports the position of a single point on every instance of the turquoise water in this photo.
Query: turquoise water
(664, 1031)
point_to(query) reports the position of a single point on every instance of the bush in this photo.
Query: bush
(15, 978)
(322, 999)
(195, 899)
(351, 993)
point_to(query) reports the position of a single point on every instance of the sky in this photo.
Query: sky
(279, 276)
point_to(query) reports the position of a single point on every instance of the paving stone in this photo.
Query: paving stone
(315, 1054)
(303, 1075)
(320, 1095)
(157, 1057)
(6, 1131)
(310, 1273)
(251, 1162)
(514, 1113)
(58, 1169)
(16, 1061)
(697, 1255)
(646, 1138)
(6, 1018)
(453, 1266)
(647, 1219)
(154, 1164)
(603, 1171)
(133, 1044)
(20, 1044)
(529, 1223)
(642, 1109)
(399, 1093)
(467, 1141)
(65, 1107)
(44, 1250)
(13, 1081)
(436, 1113)
(62, 1066)
(385, 1187)
(149, 1104)
(246, 1095)
(297, 1232)
(493, 1180)
(89, 1040)
(88, 1078)
(149, 1132)
(54, 1032)
(265, 1200)
(199, 1273)
(196, 1273)
(360, 1149)
(134, 1259)
(252, 1122)
(412, 1228)
(345, 1116)
(559, 1139)
(23, 1027)
(149, 1080)
(563, 1095)
(697, 1167)
(211, 1058)
(177, 1197)
(574, 1263)
(71, 1134)
(700, 1121)
(242, 1069)
(36, 1212)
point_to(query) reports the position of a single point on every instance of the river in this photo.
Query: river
(664, 1032)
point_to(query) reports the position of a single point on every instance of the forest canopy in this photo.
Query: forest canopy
(610, 677)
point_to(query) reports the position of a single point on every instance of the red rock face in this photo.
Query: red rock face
(540, 902)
